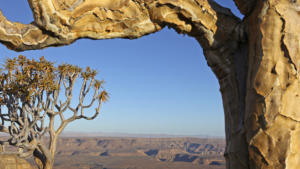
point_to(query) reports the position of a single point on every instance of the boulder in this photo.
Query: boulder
(12, 161)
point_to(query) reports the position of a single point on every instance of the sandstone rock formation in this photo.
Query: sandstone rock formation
(11, 161)
(256, 59)
(144, 153)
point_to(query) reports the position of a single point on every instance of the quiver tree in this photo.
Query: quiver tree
(35, 95)
(256, 59)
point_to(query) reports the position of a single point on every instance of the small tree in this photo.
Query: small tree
(34, 95)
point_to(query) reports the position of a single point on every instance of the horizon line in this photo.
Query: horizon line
(129, 134)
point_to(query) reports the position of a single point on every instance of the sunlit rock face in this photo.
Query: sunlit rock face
(11, 161)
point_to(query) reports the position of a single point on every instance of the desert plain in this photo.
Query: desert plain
(81, 152)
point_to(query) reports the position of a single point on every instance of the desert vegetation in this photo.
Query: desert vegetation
(37, 101)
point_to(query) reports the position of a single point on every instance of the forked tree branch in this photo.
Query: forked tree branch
(18, 37)
(245, 6)
(62, 22)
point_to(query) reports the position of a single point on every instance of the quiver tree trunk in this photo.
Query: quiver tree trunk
(256, 60)
(272, 112)
(43, 158)
(261, 95)
(42, 162)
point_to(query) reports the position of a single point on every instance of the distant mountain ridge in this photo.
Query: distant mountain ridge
(140, 153)
(134, 135)
(93, 151)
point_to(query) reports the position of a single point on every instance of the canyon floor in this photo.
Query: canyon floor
(139, 153)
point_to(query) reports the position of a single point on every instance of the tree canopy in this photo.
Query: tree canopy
(33, 93)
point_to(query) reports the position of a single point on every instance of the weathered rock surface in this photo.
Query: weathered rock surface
(256, 60)
(11, 161)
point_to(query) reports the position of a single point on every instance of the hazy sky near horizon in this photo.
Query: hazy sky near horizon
(158, 84)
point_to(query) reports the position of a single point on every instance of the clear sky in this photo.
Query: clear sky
(158, 84)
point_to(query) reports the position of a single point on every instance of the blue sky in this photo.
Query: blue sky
(158, 84)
